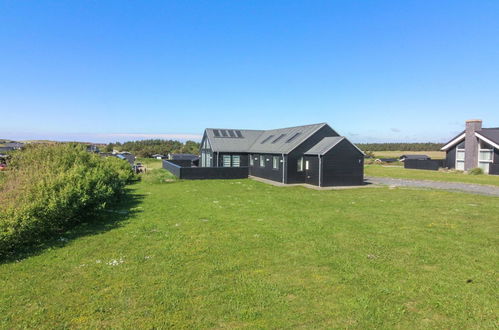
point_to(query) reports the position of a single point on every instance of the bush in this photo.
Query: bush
(50, 188)
(475, 171)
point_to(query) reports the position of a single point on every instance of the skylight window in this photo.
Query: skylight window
(216, 132)
(293, 137)
(239, 134)
(279, 137)
(231, 133)
(224, 133)
(267, 138)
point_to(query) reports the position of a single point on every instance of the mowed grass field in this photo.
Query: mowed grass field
(243, 254)
(397, 154)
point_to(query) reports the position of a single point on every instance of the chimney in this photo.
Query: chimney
(471, 144)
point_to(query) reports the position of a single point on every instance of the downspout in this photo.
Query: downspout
(320, 165)
(283, 167)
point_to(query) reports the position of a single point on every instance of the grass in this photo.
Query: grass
(150, 163)
(402, 173)
(243, 254)
(397, 154)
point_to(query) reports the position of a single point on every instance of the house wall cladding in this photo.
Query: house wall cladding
(242, 156)
(312, 174)
(343, 165)
(267, 172)
(451, 158)
(293, 176)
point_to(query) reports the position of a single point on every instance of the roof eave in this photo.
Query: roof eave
(486, 140)
(453, 142)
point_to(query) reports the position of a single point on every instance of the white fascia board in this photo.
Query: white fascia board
(484, 139)
(453, 142)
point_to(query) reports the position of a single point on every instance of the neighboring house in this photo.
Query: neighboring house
(93, 148)
(14, 145)
(474, 147)
(417, 157)
(158, 156)
(6, 149)
(191, 159)
(314, 154)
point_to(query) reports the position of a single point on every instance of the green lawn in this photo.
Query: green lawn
(402, 173)
(150, 163)
(240, 253)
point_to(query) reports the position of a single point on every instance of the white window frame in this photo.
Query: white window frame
(483, 162)
(275, 162)
(262, 161)
(460, 160)
(208, 160)
(224, 163)
(299, 165)
(252, 162)
(307, 165)
(236, 161)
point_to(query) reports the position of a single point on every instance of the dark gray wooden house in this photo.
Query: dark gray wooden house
(314, 154)
(474, 147)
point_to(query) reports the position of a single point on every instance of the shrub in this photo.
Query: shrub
(475, 171)
(49, 188)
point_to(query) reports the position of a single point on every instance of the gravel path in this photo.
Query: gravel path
(452, 186)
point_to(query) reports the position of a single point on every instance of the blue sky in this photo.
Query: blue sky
(376, 71)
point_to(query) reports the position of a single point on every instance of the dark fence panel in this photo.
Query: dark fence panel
(200, 173)
(181, 162)
(494, 169)
(173, 168)
(426, 164)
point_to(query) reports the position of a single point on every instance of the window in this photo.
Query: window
(224, 133)
(208, 160)
(203, 159)
(460, 155)
(267, 138)
(279, 137)
(275, 162)
(232, 134)
(252, 163)
(306, 165)
(216, 132)
(262, 161)
(236, 161)
(239, 135)
(485, 156)
(293, 137)
(299, 166)
(226, 161)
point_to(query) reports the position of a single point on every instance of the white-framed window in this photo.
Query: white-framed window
(236, 160)
(226, 161)
(485, 156)
(299, 165)
(203, 159)
(251, 160)
(306, 165)
(460, 156)
(208, 160)
(262, 161)
(275, 162)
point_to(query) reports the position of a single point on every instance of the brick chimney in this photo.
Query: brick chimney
(471, 144)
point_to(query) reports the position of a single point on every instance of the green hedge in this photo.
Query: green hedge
(49, 188)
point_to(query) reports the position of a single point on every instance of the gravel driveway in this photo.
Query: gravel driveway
(452, 186)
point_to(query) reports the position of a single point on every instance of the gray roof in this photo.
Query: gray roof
(230, 144)
(278, 141)
(324, 145)
(283, 140)
(490, 133)
(415, 157)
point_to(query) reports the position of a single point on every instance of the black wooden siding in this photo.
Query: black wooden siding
(293, 176)
(267, 172)
(312, 174)
(199, 173)
(242, 156)
(342, 166)
(494, 167)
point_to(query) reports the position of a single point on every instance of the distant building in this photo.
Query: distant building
(474, 147)
(417, 157)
